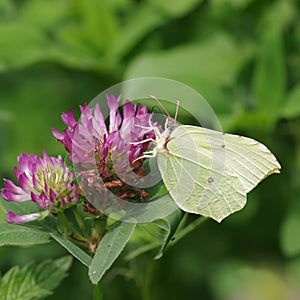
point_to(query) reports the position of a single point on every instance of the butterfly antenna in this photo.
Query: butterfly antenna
(177, 107)
(160, 104)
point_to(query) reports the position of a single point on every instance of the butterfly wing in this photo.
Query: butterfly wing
(209, 173)
(249, 159)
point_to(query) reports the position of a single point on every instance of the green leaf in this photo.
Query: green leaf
(84, 31)
(98, 23)
(28, 207)
(20, 208)
(50, 273)
(216, 60)
(289, 235)
(11, 234)
(278, 16)
(154, 235)
(6, 8)
(21, 46)
(146, 237)
(170, 225)
(270, 75)
(44, 14)
(87, 38)
(247, 281)
(291, 108)
(175, 8)
(75, 50)
(293, 271)
(109, 248)
(225, 286)
(236, 4)
(77, 252)
(34, 281)
(143, 21)
(2, 214)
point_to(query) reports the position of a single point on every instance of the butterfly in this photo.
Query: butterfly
(208, 172)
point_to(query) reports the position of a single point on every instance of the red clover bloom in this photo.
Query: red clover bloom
(47, 181)
(91, 142)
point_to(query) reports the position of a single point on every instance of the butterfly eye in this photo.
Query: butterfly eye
(171, 125)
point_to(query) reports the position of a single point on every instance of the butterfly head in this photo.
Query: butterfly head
(171, 123)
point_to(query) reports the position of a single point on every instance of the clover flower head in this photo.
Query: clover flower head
(46, 181)
(111, 147)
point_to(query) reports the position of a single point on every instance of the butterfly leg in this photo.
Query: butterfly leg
(144, 127)
(148, 154)
(150, 128)
(143, 141)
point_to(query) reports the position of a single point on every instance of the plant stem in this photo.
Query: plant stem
(143, 273)
(63, 225)
(81, 224)
(143, 249)
(66, 229)
(180, 233)
(182, 222)
(186, 230)
(146, 287)
(97, 292)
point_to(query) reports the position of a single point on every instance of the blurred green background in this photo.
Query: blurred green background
(243, 56)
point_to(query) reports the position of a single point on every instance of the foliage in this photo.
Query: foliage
(242, 56)
(34, 281)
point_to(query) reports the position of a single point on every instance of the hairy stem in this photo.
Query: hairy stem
(181, 233)
(81, 224)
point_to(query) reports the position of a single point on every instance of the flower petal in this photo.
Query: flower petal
(68, 118)
(41, 200)
(25, 182)
(75, 193)
(53, 195)
(25, 162)
(59, 136)
(8, 196)
(98, 121)
(13, 218)
(16, 172)
(128, 110)
(11, 187)
(114, 116)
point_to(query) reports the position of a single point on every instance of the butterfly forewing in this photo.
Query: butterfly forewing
(209, 173)
(250, 160)
(197, 177)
